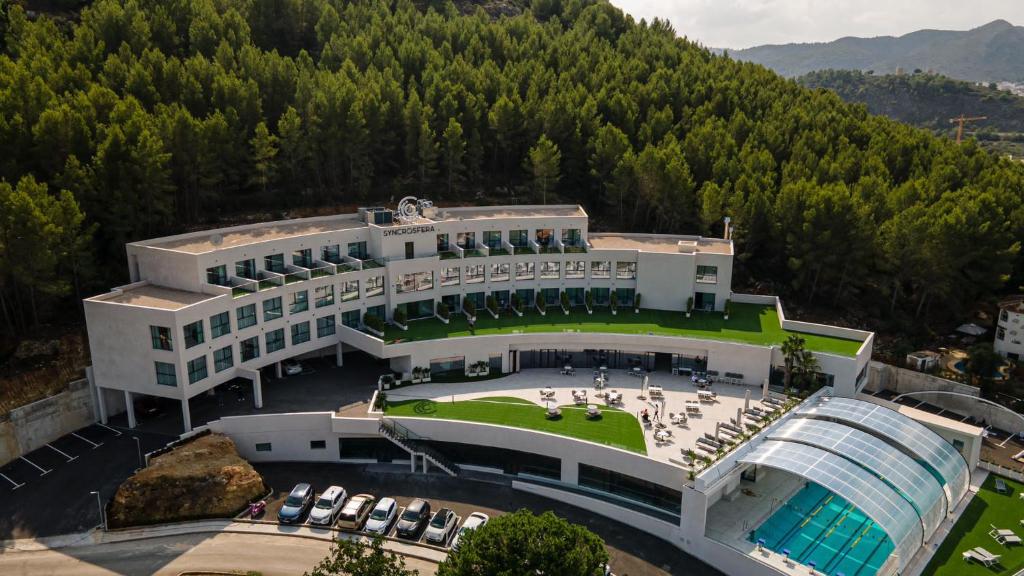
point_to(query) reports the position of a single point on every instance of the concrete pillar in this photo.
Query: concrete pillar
(101, 404)
(339, 357)
(570, 471)
(186, 417)
(412, 463)
(277, 369)
(129, 408)
(257, 390)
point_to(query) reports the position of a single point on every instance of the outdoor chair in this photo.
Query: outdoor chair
(1001, 486)
(982, 556)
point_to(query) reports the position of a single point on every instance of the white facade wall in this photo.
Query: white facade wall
(1009, 337)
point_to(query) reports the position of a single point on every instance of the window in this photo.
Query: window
(250, 348)
(500, 272)
(300, 333)
(600, 269)
(349, 290)
(275, 340)
(474, 274)
(466, 240)
(575, 269)
(410, 250)
(525, 270)
(625, 270)
(331, 254)
(223, 359)
(442, 243)
(377, 311)
(418, 309)
(1004, 315)
(707, 274)
(492, 239)
(526, 296)
(572, 237)
(161, 336)
(357, 250)
(549, 269)
(325, 326)
(502, 297)
(630, 488)
(299, 302)
(165, 374)
(220, 324)
(350, 319)
(274, 263)
(602, 296)
(245, 316)
(323, 295)
(450, 276)
(519, 238)
(626, 296)
(196, 369)
(272, 309)
(303, 258)
(454, 366)
(1000, 333)
(544, 236)
(194, 334)
(246, 269)
(217, 275)
(264, 446)
(477, 298)
(318, 444)
(374, 286)
(414, 281)
(575, 295)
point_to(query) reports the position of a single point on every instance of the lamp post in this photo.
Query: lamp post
(99, 505)
(138, 449)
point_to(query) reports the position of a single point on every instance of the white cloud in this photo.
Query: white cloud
(745, 23)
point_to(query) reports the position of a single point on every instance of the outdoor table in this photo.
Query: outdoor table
(655, 391)
(548, 392)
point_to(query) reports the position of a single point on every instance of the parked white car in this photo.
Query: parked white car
(473, 521)
(382, 516)
(327, 506)
(441, 527)
(291, 367)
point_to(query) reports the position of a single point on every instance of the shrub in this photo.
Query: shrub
(468, 307)
(689, 304)
(615, 299)
(541, 302)
(564, 298)
(517, 302)
(374, 321)
(492, 303)
(399, 316)
(588, 297)
(636, 301)
(442, 310)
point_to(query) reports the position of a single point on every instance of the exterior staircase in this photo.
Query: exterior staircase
(416, 445)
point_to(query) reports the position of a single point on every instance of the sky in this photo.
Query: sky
(744, 23)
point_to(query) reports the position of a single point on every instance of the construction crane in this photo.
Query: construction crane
(960, 124)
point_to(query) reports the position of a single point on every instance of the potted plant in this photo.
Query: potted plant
(469, 308)
(636, 304)
(471, 370)
(443, 313)
(399, 318)
(425, 374)
(492, 305)
(728, 307)
(689, 306)
(564, 298)
(374, 325)
(614, 302)
(483, 368)
(417, 375)
(517, 304)
(541, 304)
(588, 299)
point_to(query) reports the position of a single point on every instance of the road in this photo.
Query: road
(171, 555)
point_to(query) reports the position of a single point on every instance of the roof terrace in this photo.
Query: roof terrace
(149, 296)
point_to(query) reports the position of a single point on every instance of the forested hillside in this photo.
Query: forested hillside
(148, 117)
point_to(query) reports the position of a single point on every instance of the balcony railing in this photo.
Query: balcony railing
(269, 280)
(449, 255)
(321, 269)
(295, 274)
(371, 263)
(519, 250)
(242, 286)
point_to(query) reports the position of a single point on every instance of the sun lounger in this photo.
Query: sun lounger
(981, 556)
(1001, 486)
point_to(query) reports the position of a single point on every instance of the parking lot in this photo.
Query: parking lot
(47, 492)
(632, 551)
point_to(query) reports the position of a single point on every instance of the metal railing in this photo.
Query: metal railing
(415, 444)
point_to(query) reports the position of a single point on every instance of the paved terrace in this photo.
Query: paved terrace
(526, 385)
(748, 324)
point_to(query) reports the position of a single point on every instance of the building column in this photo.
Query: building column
(339, 357)
(570, 471)
(277, 370)
(257, 390)
(101, 404)
(412, 463)
(129, 408)
(186, 416)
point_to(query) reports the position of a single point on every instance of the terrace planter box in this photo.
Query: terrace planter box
(493, 313)
(519, 313)
(404, 327)
(566, 311)
(373, 332)
(589, 310)
(443, 320)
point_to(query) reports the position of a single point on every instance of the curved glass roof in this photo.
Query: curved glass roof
(927, 446)
(886, 462)
(851, 482)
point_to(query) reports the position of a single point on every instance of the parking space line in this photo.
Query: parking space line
(94, 445)
(15, 484)
(114, 430)
(36, 466)
(62, 453)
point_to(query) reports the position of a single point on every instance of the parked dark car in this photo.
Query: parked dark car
(413, 518)
(296, 504)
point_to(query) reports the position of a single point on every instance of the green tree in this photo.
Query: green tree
(453, 149)
(982, 363)
(352, 557)
(263, 146)
(543, 163)
(524, 544)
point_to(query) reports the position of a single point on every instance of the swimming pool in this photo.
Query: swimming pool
(818, 526)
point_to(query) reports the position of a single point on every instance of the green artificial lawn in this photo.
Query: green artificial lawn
(748, 323)
(614, 428)
(988, 508)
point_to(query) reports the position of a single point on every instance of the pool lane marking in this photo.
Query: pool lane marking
(62, 453)
(15, 484)
(36, 466)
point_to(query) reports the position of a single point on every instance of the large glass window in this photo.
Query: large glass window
(275, 340)
(466, 240)
(161, 336)
(245, 316)
(194, 334)
(442, 243)
(526, 296)
(575, 295)
(217, 275)
(519, 238)
(575, 269)
(350, 318)
(274, 263)
(477, 298)
(349, 290)
(450, 276)
(325, 326)
(418, 309)
(331, 254)
(197, 369)
(374, 286)
(549, 269)
(525, 270)
(602, 296)
(358, 251)
(220, 324)
(625, 270)
(300, 333)
(414, 281)
(223, 359)
(250, 348)
(492, 239)
(453, 366)
(299, 302)
(500, 272)
(303, 258)
(323, 295)
(601, 269)
(707, 274)
(551, 297)
(272, 309)
(377, 311)
(502, 298)
(165, 375)
(626, 296)
(631, 488)
(545, 236)
(246, 269)
(572, 237)
(474, 274)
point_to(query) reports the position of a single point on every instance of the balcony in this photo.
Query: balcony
(295, 274)
(579, 248)
(550, 249)
(242, 286)
(449, 255)
(269, 280)
(371, 263)
(520, 250)
(475, 253)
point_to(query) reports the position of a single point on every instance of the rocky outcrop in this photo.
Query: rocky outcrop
(204, 478)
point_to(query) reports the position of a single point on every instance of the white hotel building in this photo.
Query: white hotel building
(208, 307)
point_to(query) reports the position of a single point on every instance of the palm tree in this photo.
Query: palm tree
(807, 367)
(792, 351)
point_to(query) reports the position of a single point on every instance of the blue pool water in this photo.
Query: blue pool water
(816, 525)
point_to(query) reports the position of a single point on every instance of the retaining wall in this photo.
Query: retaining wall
(29, 427)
